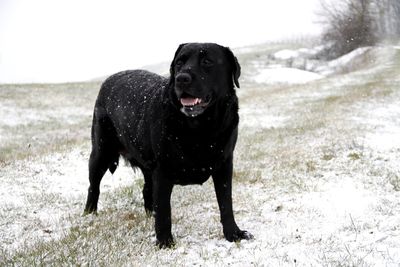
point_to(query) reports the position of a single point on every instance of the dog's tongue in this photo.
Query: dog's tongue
(190, 101)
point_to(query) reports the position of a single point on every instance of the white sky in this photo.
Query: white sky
(72, 40)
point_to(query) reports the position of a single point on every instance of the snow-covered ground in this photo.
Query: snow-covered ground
(316, 179)
(38, 196)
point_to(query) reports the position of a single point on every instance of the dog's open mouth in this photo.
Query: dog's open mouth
(191, 101)
(193, 106)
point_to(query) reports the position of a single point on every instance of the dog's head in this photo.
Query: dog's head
(202, 74)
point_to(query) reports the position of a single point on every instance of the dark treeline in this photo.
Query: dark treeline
(350, 24)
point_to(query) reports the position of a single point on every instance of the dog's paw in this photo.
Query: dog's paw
(165, 242)
(238, 235)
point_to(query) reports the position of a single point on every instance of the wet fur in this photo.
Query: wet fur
(137, 115)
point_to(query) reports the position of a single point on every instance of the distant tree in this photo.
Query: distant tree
(387, 17)
(396, 9)
(349, 24)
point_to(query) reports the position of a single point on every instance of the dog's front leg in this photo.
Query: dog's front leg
(223, 188)
(162, 190)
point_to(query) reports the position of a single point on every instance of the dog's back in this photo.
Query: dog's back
(129, 103)
(132, 91)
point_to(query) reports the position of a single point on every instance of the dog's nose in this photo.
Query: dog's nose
(183, 79)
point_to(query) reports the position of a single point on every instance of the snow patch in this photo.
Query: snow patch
(286, 76)
(286, 54)
(345, 197)
(348, 61)
(386, 135)
(312, 52)
(385, 141)
(259, 119)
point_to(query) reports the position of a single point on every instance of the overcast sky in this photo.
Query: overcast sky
(73, 40)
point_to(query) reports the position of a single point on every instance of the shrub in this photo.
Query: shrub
(349, 24)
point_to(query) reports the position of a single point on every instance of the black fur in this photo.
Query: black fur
(139, 115)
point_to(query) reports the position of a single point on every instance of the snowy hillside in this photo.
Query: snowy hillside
(316, 173)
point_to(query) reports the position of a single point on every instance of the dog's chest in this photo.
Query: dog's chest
(191, 160)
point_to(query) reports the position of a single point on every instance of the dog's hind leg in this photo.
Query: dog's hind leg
(97, 168)
(104, 156)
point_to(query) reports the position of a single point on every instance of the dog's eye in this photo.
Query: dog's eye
(206, 62)
(181, 60)
(179, 63)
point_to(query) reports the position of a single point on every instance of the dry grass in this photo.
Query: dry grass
(44, 118)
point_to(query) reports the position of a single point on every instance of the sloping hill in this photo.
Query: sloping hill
(316, 178)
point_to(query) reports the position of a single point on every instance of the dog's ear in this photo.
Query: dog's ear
(172, 67)
(234, 66)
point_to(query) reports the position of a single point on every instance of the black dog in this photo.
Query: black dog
(180, 130)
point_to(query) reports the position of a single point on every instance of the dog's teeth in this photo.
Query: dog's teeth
(190, 101)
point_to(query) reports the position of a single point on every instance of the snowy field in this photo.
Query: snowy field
(316, 174)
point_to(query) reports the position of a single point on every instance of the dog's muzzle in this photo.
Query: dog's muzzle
(193, 106)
